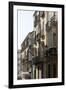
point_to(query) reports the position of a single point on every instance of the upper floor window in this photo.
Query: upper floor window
(54, 39)
(54, 36)
(41, 14)
(35, 21)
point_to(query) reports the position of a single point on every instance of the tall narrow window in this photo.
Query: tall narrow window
(49, 75)
(42, 70)
(54, 71)
(35, 73)
(54, 39)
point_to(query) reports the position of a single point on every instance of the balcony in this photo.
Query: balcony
(51, 51)
(35, 60)
(38, 59)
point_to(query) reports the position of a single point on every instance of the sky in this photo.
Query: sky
(25, 25)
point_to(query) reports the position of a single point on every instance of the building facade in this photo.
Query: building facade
(40, 48)
(27, 54)
(45, 61)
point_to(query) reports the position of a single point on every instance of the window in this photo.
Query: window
(54, 36)
(49, 75)
(54, 71)
(42, 14)
(42, 70)
(35, 21)
(38, 18)
(35, 73)
(54, 39)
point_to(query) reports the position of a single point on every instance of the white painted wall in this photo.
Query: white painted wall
(4, 44)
